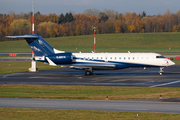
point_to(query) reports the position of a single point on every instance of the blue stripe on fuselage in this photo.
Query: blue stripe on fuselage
(118, 65)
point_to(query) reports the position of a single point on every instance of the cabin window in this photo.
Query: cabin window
(133, 58)
(119, 57)
(92, 58)
(160, 57)
(115, 58)
(129, 58)
(124, 57)
(101, 58)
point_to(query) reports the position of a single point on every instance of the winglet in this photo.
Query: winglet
(51, 62)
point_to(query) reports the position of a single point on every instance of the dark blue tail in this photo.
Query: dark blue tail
(38, 45)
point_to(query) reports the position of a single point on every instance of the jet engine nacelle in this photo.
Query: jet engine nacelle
(61, 58)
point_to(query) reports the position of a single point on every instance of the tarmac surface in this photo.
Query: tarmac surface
(107, 105)
(124, 77)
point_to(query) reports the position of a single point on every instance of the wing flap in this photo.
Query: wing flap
(96, 66)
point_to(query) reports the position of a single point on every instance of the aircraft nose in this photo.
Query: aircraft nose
(171, 62)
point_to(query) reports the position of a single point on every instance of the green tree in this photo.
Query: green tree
(142, 14)
(103, 17)
(53, 18)
(69, 17)
(61, 19)
(47, 24)
(20, 23)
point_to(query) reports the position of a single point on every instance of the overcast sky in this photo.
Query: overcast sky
(151, 7)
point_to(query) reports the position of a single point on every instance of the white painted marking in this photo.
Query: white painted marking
(50, 62)
(166, 84)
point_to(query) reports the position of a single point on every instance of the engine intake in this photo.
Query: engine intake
(61, 58)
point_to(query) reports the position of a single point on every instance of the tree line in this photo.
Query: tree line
(108, 21)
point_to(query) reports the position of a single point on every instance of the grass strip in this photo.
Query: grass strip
(133, 42)
(87, 92)
(13, 67)
(58, 114)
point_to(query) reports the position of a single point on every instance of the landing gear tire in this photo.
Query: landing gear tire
(88, 73)
(160, 74)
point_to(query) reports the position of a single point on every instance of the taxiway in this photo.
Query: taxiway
(124, 77)
(109, 105)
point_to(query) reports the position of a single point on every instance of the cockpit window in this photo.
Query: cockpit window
(160, 57)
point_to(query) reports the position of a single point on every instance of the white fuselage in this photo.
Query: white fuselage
(146, 59)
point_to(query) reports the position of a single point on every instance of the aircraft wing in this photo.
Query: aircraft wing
(91, 65)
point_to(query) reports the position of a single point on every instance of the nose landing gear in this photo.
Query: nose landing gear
(161, 71)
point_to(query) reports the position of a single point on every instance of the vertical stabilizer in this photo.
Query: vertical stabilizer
(38, 44)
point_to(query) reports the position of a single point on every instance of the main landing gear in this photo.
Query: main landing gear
(161, 71)
(89, 71)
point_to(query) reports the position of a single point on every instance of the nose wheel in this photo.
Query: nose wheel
(160, 74)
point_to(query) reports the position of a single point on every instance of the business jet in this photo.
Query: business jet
(92, 61)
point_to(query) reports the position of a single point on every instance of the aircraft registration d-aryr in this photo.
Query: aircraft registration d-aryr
(92, 61)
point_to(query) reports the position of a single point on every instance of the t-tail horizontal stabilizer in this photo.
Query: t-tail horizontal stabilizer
(51, 62)
(23, 36)
(38, 45)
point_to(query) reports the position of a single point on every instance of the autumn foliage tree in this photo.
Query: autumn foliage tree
(106, 21)
(20, 27)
